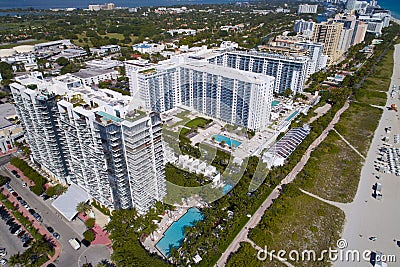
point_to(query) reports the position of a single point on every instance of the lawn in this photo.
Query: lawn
(371, 96)
(358, 124)
(380, 79)
(299, 222)
(198, 122)
(247, 256)
(333, 170)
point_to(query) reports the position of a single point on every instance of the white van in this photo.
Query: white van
(74, 243)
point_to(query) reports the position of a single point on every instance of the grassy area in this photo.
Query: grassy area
(198, 122)
(33, 42)
(298, 221)
(372, 90)
(181, 177)
(358, 124)
(380, 80)
(371, 97)
(332, 172)
(247, 256)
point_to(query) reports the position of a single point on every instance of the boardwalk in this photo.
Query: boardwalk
(255, 219)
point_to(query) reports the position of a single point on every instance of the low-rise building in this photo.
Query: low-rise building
(9, 130)
(95, 75)
(148, 48)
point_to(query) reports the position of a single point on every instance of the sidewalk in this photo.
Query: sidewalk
(23, 177)
(36, 225)
(2, 154)
(101, 236)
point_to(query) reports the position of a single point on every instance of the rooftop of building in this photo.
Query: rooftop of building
(228, 72)
(7, 110)
(91, 72)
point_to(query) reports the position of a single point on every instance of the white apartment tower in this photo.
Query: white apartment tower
(95, 139)
(307, 9)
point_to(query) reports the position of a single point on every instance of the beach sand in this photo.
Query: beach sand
(367, 216)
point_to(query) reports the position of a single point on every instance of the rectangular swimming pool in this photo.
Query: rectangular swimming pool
(229, 141)
(292, 116)
(175, 234)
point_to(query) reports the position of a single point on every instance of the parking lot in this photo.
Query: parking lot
(10, 242)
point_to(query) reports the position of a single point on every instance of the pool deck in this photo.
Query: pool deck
(167, 220)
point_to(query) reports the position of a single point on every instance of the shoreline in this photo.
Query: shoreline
(368, 216)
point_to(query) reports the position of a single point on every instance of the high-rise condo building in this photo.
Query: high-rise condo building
(228, 94)
(289, 72)
(306, 28)
(97, 139)
(307, 9)
(329, 33)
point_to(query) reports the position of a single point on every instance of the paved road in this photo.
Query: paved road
(9, 241)
(69, 257)
(255, 219)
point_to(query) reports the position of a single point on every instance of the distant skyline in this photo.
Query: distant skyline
(46, 4)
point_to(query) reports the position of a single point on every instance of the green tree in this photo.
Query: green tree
(89, 235)
(3, 180)
(83, 207)
(62, 61)
(14, 260)
(90, 223)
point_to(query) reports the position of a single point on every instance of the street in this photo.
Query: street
(69, 257)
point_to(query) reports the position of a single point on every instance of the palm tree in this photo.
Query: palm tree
(83, 207)
(14, 260)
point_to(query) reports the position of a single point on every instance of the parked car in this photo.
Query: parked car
(50, 229)
(18, 231)
(37, 217)
(3, 262)
(56, 235)
(3, 252)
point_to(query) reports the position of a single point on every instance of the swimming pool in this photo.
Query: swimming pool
(229, 141)
(294, 114)
(275, 103)
(226, 188)
(175, 234)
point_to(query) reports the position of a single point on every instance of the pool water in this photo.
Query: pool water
(229, 141)
(226, 188)
(275, 103)
(294, 114)
(175, 234)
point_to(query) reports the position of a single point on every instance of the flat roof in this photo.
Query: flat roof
(67, 202)
(87, 73)
(6, 110)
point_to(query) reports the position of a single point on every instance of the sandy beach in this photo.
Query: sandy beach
(367, 216)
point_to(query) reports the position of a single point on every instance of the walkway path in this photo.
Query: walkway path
(255, 219)
(342, 206)
(350, 145)
(256, 247)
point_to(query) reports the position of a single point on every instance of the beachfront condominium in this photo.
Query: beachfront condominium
(97, 139)
(329, 34)
(307, 9)
(228, 94)
(304, 27)
(299, 45)
(290, 72)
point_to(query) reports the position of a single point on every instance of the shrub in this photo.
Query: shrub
(90, 223)
(89, 235)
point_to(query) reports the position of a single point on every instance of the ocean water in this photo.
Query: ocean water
(392, 5)
(46, 4)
